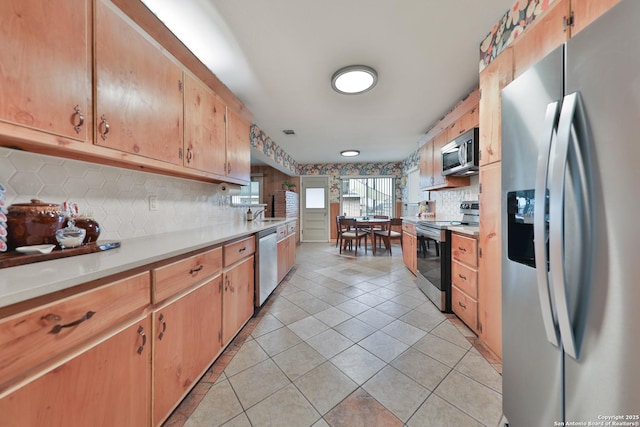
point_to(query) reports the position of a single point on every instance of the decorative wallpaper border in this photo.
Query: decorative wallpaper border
(512, 24)
(335, 170)
(262, 142)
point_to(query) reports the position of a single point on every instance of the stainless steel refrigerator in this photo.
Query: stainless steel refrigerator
(571, 239)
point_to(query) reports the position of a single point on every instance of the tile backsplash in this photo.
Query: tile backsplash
(117, 198)
(448, 201)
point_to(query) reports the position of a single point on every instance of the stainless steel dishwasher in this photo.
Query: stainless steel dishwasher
(266, 276)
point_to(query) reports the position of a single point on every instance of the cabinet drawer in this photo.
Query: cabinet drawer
(291, 228)
(464, 249)
(465, 278)
(409, 227)
(234, 252)
(182, 274)
(282, 232)
(36, 336)
(465, 307)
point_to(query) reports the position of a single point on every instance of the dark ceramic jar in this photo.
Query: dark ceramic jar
(33, 223)
(91, 226)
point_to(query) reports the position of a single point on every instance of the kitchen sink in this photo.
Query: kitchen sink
(270, 219)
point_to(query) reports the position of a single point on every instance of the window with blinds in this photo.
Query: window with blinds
(368, 196)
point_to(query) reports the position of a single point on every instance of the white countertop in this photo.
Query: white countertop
(33, 280)
(471, 230)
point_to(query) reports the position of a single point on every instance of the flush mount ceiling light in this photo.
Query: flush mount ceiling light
(350, 153)
(354, 79)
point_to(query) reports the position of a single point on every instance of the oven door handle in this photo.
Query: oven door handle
(540, 234)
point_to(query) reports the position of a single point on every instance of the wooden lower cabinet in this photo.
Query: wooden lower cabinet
(107, 385)
(187, 339)
(464, 279)
(410, 247)
(237, 298)
(286, 255)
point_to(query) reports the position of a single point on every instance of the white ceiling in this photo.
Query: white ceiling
(278, 57)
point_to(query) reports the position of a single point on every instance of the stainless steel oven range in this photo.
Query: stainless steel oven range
(434, 254)
(434, 262)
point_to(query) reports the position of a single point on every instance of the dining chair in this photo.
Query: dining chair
(388, 233)
(349, 232)
(338, 217)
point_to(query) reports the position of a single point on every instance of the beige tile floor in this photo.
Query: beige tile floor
(348, 341)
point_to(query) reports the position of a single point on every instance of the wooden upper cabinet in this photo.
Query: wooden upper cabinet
(587, 11)
(464, 124)
(430, 165)
(139, 99)
(46, 66)
(204, 128)
(439, 141)
(493, 79)
(545, 34)
(425, 165)
(238, 146)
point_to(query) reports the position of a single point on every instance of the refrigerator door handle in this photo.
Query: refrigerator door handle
(540, 235)
(568, 138)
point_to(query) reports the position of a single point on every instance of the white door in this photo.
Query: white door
(315, 209)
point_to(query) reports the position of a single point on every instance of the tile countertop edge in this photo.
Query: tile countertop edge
(29, 281)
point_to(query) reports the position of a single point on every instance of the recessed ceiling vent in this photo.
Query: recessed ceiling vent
(288, 132)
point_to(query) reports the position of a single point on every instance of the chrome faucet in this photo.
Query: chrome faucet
(258, 213)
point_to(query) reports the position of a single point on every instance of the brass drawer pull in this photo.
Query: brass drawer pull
(104, 124)
(78, 113)
(462, 249)
(144, 339)
(195, 270)
(57, 328)
(462, 305)
(462, 276)
(164, 326)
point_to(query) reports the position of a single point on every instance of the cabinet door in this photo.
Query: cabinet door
(438, 142)
(292, 251)
(282, 258)
(545, 34)
(426, 165)
(108, 385)
(409, 254)
(188, 337)
(46, 66)
(204, 128)
(238, 146)
(489, 259)
(493, 79)
(237, 299)
(587, 11)
(138, 90)
(464, 124)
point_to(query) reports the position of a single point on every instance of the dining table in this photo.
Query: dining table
(372, 224)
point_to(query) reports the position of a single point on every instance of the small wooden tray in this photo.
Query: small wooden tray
(12, 259)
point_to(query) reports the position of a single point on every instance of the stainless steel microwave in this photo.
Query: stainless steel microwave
(460, 156)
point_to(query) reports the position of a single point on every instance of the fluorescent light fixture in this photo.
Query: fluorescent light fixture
(350, 153)
(354, 79)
